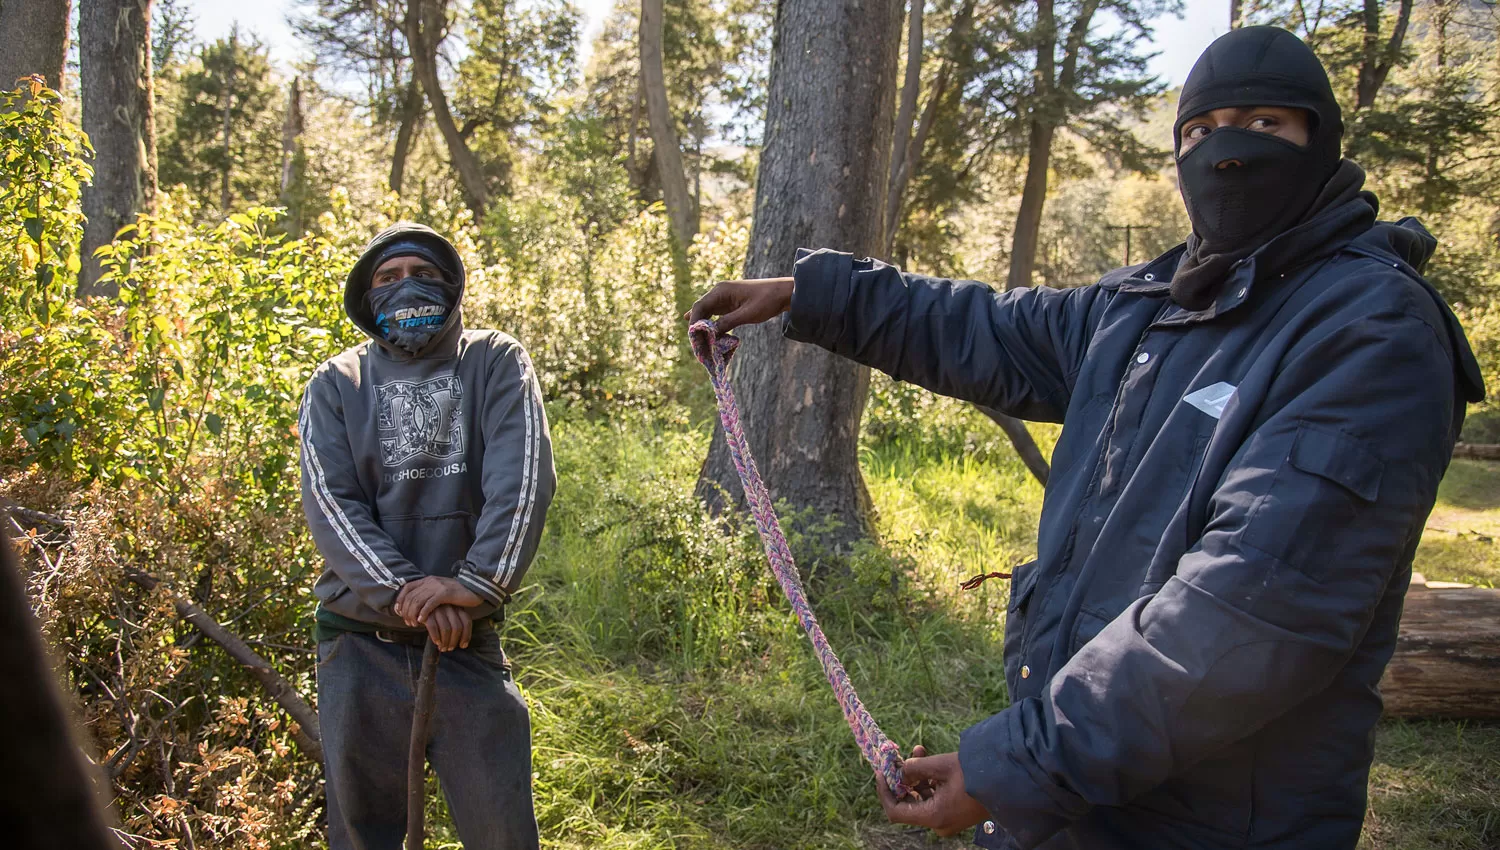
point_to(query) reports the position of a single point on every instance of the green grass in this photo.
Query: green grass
(1462, 533)
(675, 703)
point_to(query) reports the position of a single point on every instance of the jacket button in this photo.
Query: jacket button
(989, 827)
(1025, 671)
(1142, 357)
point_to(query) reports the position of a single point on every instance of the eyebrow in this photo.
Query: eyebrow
(420, 267)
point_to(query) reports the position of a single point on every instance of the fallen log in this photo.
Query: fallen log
(1447, 661)
(1477, 451)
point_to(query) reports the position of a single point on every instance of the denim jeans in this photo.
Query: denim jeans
(480, 742)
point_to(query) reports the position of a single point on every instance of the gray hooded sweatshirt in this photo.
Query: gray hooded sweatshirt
(432, 463)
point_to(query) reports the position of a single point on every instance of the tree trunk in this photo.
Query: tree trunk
(664, 141)
(1025, 445)
(291, 130)
(1029, 217)
(1447, 661)
(1376, 60)
(411, 114)
(901, 171)
(114, 39)
(291, 134)
(1236, 10)
(34, 40)
(821, 182)
(905, 116)
(225, 195)
(424, 30)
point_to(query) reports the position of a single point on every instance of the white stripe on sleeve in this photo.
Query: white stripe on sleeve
(334, 513)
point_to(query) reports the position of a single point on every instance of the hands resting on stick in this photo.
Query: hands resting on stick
(937, 800)
(442, 605)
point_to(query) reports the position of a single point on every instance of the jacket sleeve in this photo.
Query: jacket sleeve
(518, 477)
(1018, 351)
(1321, 505)
(339, 510)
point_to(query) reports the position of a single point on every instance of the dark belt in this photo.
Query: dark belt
(419, 637)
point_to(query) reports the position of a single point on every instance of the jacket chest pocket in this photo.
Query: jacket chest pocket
(1022, 585)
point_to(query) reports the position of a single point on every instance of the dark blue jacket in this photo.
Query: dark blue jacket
(1226, 538)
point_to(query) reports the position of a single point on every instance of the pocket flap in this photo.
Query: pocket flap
(1340, 458)
(1022, 583)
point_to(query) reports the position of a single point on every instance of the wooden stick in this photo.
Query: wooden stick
(416, 763)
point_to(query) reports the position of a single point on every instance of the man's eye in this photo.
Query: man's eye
(1197, 131)
(1262, 123)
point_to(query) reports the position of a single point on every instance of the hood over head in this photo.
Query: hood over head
(1407, 241)
(1242, 187)
(404, 239)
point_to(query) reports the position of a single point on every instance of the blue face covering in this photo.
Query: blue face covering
(409, 312)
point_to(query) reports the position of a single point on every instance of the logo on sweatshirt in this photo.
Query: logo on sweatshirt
(420, 418)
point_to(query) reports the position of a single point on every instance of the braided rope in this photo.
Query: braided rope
(714, 352)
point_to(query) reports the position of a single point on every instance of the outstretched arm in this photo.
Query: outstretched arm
(1017, 351)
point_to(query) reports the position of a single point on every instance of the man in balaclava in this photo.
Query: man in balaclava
(426, 476)
(1254, 426)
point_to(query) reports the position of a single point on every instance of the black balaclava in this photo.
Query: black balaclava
(409, 312)
(1237, 209)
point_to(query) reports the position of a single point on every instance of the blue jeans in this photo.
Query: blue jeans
(480, 744)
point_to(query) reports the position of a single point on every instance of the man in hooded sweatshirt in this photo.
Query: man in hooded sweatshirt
(426, 476)
(1254, 427)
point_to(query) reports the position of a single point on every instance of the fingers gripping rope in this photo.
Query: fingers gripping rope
(714, 352)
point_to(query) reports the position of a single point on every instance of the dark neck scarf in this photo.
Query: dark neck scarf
(1341, 211)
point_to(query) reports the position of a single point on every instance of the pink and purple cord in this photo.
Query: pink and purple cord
(714, 352)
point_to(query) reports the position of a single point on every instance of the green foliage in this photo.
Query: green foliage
(597, 311)
(715, 55)
(233, 73)
(42, 157)
(520, 57)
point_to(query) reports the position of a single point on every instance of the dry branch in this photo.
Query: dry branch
(304, 729)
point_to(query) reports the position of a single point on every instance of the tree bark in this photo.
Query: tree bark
(821, 182)
(425, 21)
(911, 87)
(1447, 661)
(664, 142)
(1376, 59)
(1236, 10)
(291, 146)
(1023, 240)
(34, 40)
(227, 131)
(1047, 113)
(411, 114)
(291, 130)
(114, 39)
